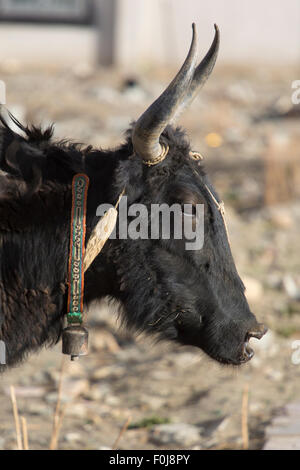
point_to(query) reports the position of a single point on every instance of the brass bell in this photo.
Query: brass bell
(75, 341)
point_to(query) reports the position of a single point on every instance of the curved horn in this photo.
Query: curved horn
(150, 125)
(202, 72)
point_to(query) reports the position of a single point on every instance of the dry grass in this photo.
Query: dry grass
(58, 416)
(245, 432)
(24, 433)
(60, 410)
(16, 417)
(123, 430)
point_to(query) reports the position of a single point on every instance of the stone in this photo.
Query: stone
(38, 409)
(28, 392)
(153, 403)
(99, 391)
(283, 443)
(274, 374)
(284, 431)
(180, 434)
(74, 387)
(281, 219)
(71, 388)
(112, 371)
(72, 437)
(274, 280)
(291, 287)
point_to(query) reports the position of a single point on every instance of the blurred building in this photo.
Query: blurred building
(130, 32)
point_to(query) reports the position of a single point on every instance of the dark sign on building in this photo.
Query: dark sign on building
(47, 11)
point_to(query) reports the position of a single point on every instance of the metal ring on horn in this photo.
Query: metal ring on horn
(160, 158)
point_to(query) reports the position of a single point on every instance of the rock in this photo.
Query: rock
(281, 218)
(274, 280)
(153, 403)
(180, 434)
(112, 400)
(274, 374)
(113, 371)
(72, 437)
(213, 427)
(51, 398)
(254, 289)
(283, 443)
(78, 410)
(38, 409)
(71, 388)
(74, 387)
(293, 409)
(284, 431)
(99, 391)
(290, 287)
(41, 377)
(131, 354)
(161, 374)
(28, 392)
(256, 407)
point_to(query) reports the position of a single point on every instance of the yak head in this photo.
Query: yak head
(177, 284)
(191, 294)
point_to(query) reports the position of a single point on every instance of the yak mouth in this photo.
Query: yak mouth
(246, 352)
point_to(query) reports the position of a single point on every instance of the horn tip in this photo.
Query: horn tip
(194, 38)
(216, 28)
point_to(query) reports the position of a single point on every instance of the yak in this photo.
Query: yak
(191, 297)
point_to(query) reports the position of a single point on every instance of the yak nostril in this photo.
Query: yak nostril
(258, 332)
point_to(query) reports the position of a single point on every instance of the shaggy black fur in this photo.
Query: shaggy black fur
(193, 297)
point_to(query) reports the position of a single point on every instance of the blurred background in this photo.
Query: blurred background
(93, 66)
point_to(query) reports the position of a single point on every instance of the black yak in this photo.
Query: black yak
(191, 297)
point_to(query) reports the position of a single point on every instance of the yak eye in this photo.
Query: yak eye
(207, 266)
(189, 209)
